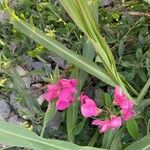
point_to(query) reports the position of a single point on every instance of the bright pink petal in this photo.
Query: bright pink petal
(66, 83)
(105, 125)
(65, 99)
(52, 92)
(115, 122)
(127, 114)
(119, 96)
(88, 107)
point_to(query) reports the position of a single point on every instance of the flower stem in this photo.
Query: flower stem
(144, 90)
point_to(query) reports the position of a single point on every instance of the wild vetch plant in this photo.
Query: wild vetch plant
(114, 121)
(64, 93)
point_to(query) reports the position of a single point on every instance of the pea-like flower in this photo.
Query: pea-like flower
(126, 105)
(105, 125)
(52, 92)
(64, 91)
(88, 107)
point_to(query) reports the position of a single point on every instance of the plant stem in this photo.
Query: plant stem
(144, 90)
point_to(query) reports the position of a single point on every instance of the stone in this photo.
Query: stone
(106, 2)
(4, 110)
(15, 119)
(20, 70)
(53, 126)
(40, 99)
(13, 101)
(28, 62)
(58, 60)
(39, 65)
(27, 81)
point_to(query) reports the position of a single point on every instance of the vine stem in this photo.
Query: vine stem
(144, 90)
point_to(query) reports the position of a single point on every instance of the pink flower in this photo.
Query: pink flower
(66, 96)
(124, 103)
(88, 107)
(119, 96)
(64, 90)
(127, 110)
(105, 125)
(66, 83)
(52, 92)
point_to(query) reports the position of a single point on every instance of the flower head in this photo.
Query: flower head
(124, 103)
(52, 92)
(65, 98)
(105, 125)
(88, 107)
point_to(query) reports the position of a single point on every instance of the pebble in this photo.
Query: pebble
(15, 120)
(4, 110)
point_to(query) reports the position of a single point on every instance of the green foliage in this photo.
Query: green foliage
(132, 128)
(49, 30)
(18, 136)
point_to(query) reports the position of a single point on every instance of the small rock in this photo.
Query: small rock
(40, 99)
(58, 60)
(54, 123)
(13, 101)
(106, 2)
(40, 65)
(28, 62)
(4, 110)
(20, 70)
(27, 81)
(18, 106)
(15, 120)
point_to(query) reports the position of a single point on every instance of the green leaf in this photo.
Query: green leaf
(51, 110)
(108, 138)
(107, 100)
(121, 48)
(79, 127)
(132, 128)
(116, 143)
(94, 138)
(56, 47)
(21, 90)
(143, 144)
(139, 54)
(15, 135)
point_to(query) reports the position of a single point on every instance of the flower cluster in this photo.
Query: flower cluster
(64, 91)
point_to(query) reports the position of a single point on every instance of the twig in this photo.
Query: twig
(137, 13)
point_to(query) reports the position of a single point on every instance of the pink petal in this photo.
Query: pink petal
(88, 107)
(103, 125)
(52, 92)
(65, 99)
(66, 83)
(127, 114)
(115, 122)
(119, 96)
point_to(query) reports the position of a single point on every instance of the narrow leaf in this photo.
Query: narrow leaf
(132, 128)
(54, 46)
